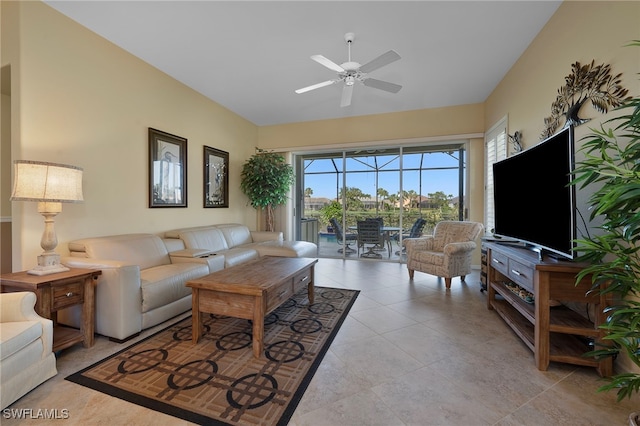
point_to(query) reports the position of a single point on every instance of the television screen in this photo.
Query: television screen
(533, 200)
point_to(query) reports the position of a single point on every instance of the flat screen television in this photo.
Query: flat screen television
(533, 201)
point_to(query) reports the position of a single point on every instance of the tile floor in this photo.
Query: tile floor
(409, 353)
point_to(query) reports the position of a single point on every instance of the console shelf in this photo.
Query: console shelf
(523, 328)
(553, 333)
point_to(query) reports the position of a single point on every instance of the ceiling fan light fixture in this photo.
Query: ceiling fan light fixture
(350, 66)
(351, 71)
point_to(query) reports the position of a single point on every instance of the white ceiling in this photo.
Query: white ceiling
(250, 56)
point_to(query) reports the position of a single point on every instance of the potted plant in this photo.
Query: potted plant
(612, 164)
(331, 211)
(266, 179)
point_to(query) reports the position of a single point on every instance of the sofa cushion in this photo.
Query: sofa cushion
(164, 284)
(239, 255)
(287, 249)
(211, 239)
(235, 234)
(173, 244)
(175, 233)
(144, 250)
(15, 336)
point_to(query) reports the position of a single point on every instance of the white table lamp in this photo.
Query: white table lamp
(50, 185)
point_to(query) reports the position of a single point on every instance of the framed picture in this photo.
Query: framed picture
(167, 170)
(216, 177)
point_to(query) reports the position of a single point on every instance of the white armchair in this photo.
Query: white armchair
(26, 341)
(446, 253)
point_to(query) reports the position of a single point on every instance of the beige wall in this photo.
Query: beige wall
(5, 156)
(577, 32)
(5, 182)
(427, 123)
(80, 100)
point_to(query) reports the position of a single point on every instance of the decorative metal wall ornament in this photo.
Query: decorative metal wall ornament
(516, 141)
(589, 82)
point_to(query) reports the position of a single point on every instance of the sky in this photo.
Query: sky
(440, 173)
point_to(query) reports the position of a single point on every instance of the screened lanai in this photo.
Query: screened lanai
(397, 185)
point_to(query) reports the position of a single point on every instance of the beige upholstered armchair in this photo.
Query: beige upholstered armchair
(26, 340)
(446, 253)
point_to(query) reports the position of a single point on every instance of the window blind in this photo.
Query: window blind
(496, 150)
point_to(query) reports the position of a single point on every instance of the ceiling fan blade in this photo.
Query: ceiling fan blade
(382, 85)
(347, 93)
(327, 63)
(380, 61)
(316, 86)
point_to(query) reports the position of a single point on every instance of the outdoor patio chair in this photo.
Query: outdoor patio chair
(414, 232)
(385, 234)
(343, 239)
(370, 232)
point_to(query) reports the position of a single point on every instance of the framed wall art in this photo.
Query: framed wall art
(167, 170)
(216, 177)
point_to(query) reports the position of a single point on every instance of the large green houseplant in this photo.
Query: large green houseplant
(612, 165)
(266, 179)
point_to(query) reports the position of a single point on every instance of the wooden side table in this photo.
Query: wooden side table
(59, 291)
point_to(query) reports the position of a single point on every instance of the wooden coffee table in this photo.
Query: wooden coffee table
(250, 290)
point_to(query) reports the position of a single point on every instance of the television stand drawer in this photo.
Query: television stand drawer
(521, 274)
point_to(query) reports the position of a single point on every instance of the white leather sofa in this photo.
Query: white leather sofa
(235, 242)
(26, 341)
(143, 275)
(141, 285)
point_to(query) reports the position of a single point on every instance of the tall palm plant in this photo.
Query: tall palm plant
(612, 163)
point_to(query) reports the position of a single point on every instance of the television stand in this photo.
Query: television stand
(525, 246)
(553, 333)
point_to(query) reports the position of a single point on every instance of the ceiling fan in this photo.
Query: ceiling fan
(350, 72)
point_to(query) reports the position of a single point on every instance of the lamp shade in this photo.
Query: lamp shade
(46, 182)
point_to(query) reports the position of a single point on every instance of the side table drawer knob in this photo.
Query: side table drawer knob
(69, 294)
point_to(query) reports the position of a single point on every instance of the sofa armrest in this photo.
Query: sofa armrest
(118, 298)
(89, 263)
(262, 236)
(190, 253)
(213, 260)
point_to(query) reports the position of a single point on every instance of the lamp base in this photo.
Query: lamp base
(48, 263)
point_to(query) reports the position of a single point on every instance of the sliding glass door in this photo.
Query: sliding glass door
(396, 185)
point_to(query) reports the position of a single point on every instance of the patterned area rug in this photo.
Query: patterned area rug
(218, 381)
